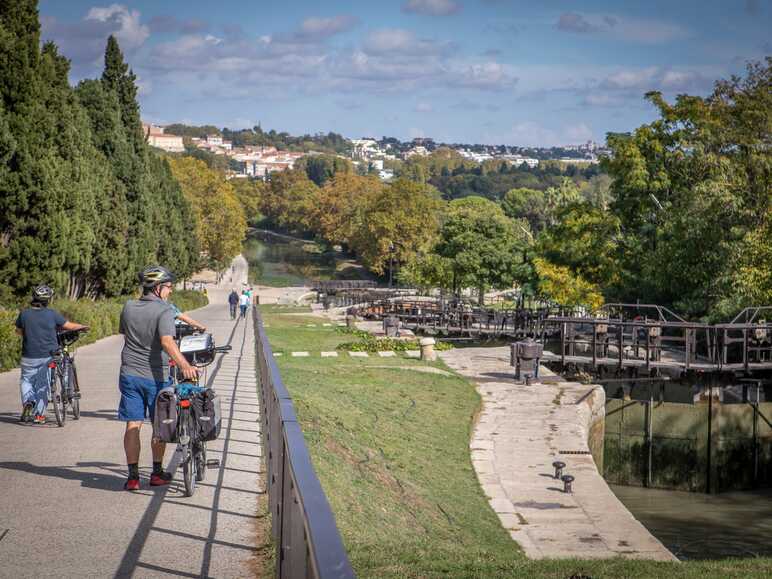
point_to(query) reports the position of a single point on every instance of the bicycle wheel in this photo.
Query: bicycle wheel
(74, 391)
(57, 399)
(188, 460)
(200, 460)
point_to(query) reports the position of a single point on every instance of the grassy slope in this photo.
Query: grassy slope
(390, 446)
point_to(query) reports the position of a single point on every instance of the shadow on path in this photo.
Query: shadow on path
(105, 482)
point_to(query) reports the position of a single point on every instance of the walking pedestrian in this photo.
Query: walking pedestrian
(38, 326)
(233, 301)
(147, 325)
(244, 303)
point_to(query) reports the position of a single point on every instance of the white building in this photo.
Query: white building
(157, 138)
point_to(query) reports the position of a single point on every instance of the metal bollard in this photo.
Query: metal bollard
(559, 466)
(567, 480)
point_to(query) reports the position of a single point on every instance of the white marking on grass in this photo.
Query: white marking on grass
(327, 325)
(386, 354)
(277, 354)
(300, 354)
(310, 325)
(413, 353)
(359, 354)
(329, 354)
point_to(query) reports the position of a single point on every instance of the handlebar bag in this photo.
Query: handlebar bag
(165, 419)
(208, 414)
(198, 348)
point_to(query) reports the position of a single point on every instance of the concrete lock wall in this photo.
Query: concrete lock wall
(695, 447)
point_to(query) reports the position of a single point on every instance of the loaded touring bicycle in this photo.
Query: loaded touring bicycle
(188, 413)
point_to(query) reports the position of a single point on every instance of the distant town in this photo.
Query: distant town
(370, 154)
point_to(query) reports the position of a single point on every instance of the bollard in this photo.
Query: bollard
(567, 480)
(351, 322)
(559, 466)
(257, 300)
(427, 349)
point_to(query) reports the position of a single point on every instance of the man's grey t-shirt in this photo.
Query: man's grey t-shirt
(143, 323)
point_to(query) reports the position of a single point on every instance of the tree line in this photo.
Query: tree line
(85, 203)
(680, 212)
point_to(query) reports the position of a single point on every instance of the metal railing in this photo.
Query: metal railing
(306, 536)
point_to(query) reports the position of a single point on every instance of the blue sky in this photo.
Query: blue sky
(510, 72)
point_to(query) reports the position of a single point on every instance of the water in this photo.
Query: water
(700, 526)
(282, 262)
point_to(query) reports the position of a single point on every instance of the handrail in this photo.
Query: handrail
(308, 543)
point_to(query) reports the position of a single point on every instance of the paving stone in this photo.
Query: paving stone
(413, 353)
(359, 354)
(386, 354)
(329, 354)
(277, 354)
(300, 354)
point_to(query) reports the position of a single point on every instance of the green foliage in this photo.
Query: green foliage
(561, 286)
(322, 168)
(83, 204)
(483, 246)
(219, 219)
(690, 189)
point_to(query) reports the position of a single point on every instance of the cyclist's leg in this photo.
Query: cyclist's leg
(41, 379)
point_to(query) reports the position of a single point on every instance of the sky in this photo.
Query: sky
(537, 73)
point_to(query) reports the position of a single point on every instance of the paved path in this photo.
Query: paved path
(63, 512)
(520, 432)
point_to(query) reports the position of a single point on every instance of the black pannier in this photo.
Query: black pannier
(165, 419)
(207, 414)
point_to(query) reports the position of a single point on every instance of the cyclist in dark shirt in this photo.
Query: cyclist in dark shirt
(37, 325)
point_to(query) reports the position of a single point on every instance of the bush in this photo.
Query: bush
(102, 316)
(371, 344)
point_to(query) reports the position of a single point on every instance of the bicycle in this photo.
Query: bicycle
(199, 351)
(63, 383)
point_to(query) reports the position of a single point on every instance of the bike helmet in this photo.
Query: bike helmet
(155, 275)
(42, 293)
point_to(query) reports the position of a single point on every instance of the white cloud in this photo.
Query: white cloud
(431, 7)
(622, 28)
(391, 41)
(532, 134)
(318, 28)
(129, 31)
(424, 107)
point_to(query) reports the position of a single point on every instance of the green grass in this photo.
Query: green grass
(391, 448)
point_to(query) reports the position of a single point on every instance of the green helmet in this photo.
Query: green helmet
(155, 275)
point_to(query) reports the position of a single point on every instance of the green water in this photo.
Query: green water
(279, 262)
(701, 526)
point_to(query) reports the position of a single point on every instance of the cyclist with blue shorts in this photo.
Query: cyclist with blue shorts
(148, 328)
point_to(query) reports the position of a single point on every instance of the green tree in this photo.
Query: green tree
(219, 218)
(397, 224)
(485, 247)
(690, 188)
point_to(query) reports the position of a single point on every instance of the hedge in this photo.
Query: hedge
(102, 316)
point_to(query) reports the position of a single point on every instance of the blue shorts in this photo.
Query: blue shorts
(138, 397)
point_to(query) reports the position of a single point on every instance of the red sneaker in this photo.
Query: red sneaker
(131, 484)
(158, 480)
(39, 419)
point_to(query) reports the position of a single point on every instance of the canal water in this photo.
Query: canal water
(281, 261)
(700, 526)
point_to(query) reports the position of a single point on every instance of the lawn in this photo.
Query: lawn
(390, 444)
